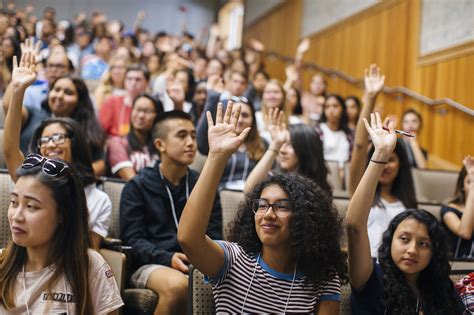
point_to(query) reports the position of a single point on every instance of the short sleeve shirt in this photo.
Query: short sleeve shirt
(269, 291)
(104, 292)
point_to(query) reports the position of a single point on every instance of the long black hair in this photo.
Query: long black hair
(459, 193)
(402, 187)
(436, 289)
(134, 143)
(85, 115)
(80, 152)
(16, 52)
(344, 120)
(309, 150)
(315, 228)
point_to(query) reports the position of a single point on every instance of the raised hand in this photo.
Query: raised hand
(373, 80)
(222, 135)
(384, 141)
(24, 74)
(469, 165)
(303, 46)
(277, 128)
(30, 46)
(291, 73)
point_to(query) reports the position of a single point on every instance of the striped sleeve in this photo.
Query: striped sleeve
(231, 253)
(331, 290)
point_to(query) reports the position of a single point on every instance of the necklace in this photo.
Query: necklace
(170, 196)
(25, 297)
(253, 276)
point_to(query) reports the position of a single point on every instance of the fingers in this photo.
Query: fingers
(210, 122)
(280, 117)
(235, 116)
(372, 120)
(219, 113)
(15, 62)
(243, 135)
(228, 112)
(378, 120)
(366, 123)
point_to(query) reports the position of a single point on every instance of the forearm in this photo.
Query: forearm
(418, 154)
(361, 142)
(197, 212)
(12, 130)
(211, 47)
(260, 170)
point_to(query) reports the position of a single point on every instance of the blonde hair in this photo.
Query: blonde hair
(106, 85)
(282, 106)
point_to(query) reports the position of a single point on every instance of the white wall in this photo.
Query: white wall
(255, 9)
(161, 14)
(319, 14)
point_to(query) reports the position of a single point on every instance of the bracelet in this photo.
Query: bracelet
(378, 162)
(273, 150)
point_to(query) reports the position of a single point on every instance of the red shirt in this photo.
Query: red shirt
(114, 116)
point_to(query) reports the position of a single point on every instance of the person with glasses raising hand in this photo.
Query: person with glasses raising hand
(284, 251)
(47, 267)
(54, 138)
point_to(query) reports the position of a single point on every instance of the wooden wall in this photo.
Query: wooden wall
(386, 34)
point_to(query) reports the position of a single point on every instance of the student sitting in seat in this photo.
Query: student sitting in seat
(48, 268)
(150, 209)
(412, 272)
(287, 259)
(458, 216)
(55, 138)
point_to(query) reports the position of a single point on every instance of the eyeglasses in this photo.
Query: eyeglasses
(281, 208)
(241, 99)
(58, 138)
(49, 166)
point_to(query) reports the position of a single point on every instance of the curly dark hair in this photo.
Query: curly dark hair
(315, 229)
(435, 287)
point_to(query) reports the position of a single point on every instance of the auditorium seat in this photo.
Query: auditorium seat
(143, 301)
(434, 185)
(5, 186)
(198, 162)
(2, 157)
(334, 177)
(230, 201)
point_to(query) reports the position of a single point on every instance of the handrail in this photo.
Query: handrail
(386, 89)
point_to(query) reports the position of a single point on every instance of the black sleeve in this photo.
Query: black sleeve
(133, 232)
(201, 131)
(214, 229)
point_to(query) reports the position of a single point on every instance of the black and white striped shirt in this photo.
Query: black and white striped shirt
(269, 290)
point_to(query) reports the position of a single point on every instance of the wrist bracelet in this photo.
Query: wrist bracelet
(378, 162)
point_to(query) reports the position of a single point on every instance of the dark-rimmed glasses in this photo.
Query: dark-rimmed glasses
(281, 208)
(58, 138)
(49, 167)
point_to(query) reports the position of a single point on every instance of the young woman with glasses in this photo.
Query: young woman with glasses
(47, 267)
(54, 138)
(284, 251)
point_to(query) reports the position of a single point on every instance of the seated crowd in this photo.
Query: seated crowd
(85, 99)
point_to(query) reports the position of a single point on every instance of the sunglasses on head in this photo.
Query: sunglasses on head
(241, 99)
(49, 167)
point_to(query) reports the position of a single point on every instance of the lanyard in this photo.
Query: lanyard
(234, 165)
(170, 196)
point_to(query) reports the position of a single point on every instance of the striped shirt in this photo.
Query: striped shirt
(269, 289)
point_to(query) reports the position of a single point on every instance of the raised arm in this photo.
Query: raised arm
(202, 252)
(373, 85)
(464, 227)
(23, 75)
(280, 135)
(417, 153)
(360, 260)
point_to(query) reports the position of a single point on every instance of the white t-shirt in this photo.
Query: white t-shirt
(100, 209)
(335, 144)
(379, 219)
(104, 292)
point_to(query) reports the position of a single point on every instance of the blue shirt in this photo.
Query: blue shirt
(36, 94)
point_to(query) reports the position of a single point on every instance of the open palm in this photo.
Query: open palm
(382, 139)
(222, 135)
(373, 80)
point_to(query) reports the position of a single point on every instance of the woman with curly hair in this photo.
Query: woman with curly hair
(284, 260)
(297, 149)
(412, 276)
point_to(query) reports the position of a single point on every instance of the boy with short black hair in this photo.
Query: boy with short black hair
(150, 208)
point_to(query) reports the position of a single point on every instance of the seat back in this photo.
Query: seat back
(5, 189)
(433, 208)
(3, 164)
(345, 305)
(200, 298)
(230, 201)
(198, 163)
(113, 188)
(434, 185)
(117, 262)
(334, 177)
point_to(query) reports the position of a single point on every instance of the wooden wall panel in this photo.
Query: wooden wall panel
(386, 34)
